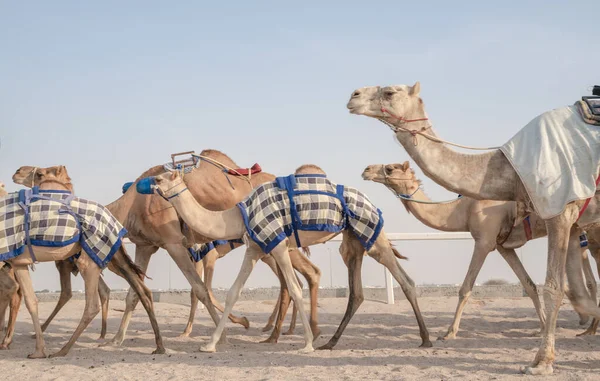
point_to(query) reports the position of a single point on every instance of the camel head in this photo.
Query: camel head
(57, 175)
(167, 185)
(400, 101)
(399, 177)
(32, 176)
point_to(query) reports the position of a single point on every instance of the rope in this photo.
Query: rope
(223, 166)
(414, 133)
(408, 197)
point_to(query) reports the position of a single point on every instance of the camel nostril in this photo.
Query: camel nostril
(356, 94)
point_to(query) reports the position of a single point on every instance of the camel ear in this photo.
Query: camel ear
(405, 166)
(174, 175)
(416, 89)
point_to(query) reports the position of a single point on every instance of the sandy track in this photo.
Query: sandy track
(380, 343)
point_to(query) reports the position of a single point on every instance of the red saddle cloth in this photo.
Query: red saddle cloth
(246, 171)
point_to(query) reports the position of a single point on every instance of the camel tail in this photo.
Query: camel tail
(306, 251)
(398, 255)
(129, 263)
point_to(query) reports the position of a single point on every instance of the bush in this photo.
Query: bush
(495, 282)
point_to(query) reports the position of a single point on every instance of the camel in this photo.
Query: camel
(120, 264)
(488, 176)
(26, 175)
(491, 224)
(152, 223)
(207, 264)
(229, 224)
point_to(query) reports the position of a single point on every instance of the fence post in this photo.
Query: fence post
(389, 286)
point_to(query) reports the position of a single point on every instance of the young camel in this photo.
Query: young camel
(206, 265)
(152, 223)
(120, 264)
(26, 176)
(491, 176)
(229, 224)
(491, 224)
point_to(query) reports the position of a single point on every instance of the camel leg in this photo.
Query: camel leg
(281, 255)
(511, 257)
(142, 259)
(353, 254)
(11, 297)
(181, 257)
(312, 274)
(590, 282)
(384, 254)
(90, 273)
(292, 326)
(209, 272)
(253, 253)
(595, 252)
(480, 253)
(121, 265)
(15, 304)
(64, 268)
(193, 302)
(23, 277)
(104, 293)
(269, 324)
(284, 299)
(558, 228)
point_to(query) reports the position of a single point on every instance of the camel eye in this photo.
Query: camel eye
(389, 170)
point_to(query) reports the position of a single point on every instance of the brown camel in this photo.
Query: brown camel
(153, 223)
(26, 175)
(120, 264)
(491, 224)
(229, 224)
(488, 176)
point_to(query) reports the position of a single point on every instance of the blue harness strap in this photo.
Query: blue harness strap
(583, 241)
(288, 184)
(25, 198)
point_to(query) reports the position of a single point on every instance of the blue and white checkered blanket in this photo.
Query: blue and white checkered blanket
(276, 210)
(57, 218)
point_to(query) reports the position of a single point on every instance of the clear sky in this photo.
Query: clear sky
(111, 88)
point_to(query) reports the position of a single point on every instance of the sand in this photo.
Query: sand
(381, 343)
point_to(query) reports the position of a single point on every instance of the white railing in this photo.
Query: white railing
(389, 285)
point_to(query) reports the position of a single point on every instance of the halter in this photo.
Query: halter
(164, 194)
(35, 169)
(409, 197)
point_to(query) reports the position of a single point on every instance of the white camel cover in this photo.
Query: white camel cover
(57, 218)
(557, 157)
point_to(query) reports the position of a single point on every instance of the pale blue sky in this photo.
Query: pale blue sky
(112, 88)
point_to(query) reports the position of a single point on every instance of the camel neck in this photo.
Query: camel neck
(227, 224)
(487, 176)
(437, 216)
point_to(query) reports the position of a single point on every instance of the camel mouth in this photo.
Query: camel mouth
(368, 175)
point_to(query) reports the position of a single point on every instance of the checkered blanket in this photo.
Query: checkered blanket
(57, 218)
(199, 250)
(276, 210)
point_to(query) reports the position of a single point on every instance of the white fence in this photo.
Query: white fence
(407, 237)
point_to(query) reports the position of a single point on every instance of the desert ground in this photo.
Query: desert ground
(497, 337)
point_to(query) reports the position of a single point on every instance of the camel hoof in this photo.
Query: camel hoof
(426, 344)
(3, 347)
(307, 349)
(269, 340)
(58, 354)
(584, 320)
(289, 333)
(245, 323)
(111, 343)
(587, 332)
(37, 355)
(538, 370)
(316, 333)
(325, 347)
(267, 328)
(448, 336)
(208, 349)
(159, 351)
(184, 334)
